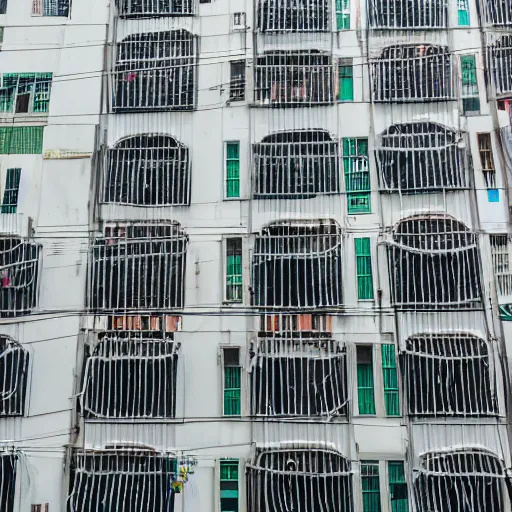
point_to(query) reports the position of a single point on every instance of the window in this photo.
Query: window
(370, 485)
(357, 175)
(237, 81)
(232, 170)
(14, 361)
(397, 487)
(500, 63)
(25, 93)
(498, 12)
(470, 97)
(286, 324)
(463, 10)
(3, 6)
(229, 491)
(296, 164)
(50, 8)
(298, 265)
(289, 16)
(137, 85)
(364, 269)
(307, 479)
(12, 187)
(420, 157)
(21, 140)
(346, 76)
(501, 251)
(343, 14)
(390, 378)
(365, 394)
(486, 159)
(147, 170)
(232, 381)
(234, 276)
(399, 14)
(8, 470)
(150, 8)
(138, 266)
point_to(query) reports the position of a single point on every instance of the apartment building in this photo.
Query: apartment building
(255, 256)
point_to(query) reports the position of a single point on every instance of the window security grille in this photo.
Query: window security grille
(464, 383)
(298, 265)
(237, 80)
(130, 376)
(147, 170)
(50, 8)
(470, 479)
(500, 64)
(288, 78)
(8, 463)
(501, 258)
(146, 8)
(301, 479)
(11, 191)
(19, 276)
(25, 93)
(296, 164)
(498, 12)
(434, 263)
(14, 361)
(298, 377)
(138, 266)
(121, 480)
(421, 157)
(292, 16)
(155, 71)
(407, 14)
(413, 73)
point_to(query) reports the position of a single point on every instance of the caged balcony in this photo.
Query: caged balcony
(14, 365)
(154, 8)
(499, 56)
(407, 14)
(293, 16)
(497, 12)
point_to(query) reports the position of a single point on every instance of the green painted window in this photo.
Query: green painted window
(25, 92)
(346, 77)
(343, 14)
(232, 381)
(364, 269)
(370, 485)
(21, 140)
(357, 175)
(365, 393)
(233, 169)
(390, 376)
(12, 187)
(463, 13)
(229, 493)
(234, 270)
(397, 487)
(470, 96)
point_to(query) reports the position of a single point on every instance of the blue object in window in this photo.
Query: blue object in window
(493, 195)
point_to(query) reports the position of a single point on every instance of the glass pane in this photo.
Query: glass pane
(365, 389)
(233, 150)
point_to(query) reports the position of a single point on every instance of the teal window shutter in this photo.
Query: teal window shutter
(12, 187)
(232, 169)
(365, 381)
(397, 487)
(357, 175)
(229, 485)
(21, 140)
(370, 485)
(390, 376)
(234, 277)
(343, 14)
(232, 381)
(346, 80)
(364, 269)
(469, 82)
(463, 8)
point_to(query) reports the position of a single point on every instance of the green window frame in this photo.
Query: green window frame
(21, 140)
(370, 485)
(229, 485)
(397, 487)
(232, 169)
(365, 380)
(390, 378)
(346, 80)
(463, 8)
(357, 175)
(11, 192)
(232, 381)
(364, 269)
(234, 276)
(37, 84)
(469, 84)
(343, 14)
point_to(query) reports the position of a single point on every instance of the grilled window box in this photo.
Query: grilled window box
(147, 170)
(298, 377)
(296, 164)
(154, 8)
(292, 16)
(420, 158)
(300, 479)
(298, 264)
(434, 264)
(291, 78)
(413, 73)
(501, 252)
(407, 14)
(14, 364)
(497, 12)
(499, 56)
(138, 266)
(8, 470)
(449, 375)
(155, 71)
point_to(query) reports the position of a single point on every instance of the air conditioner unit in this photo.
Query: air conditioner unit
(239, 21)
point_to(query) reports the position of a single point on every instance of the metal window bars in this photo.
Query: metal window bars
(293, 16)
(153, 8)
(407, 14)
(50, 7)
(296, 164)
(434, 264)
(14, 364)
(147, 170)
(298, 377)
(413, 73)
(293, 78)
(8, 470)
(155, 71)
(299, 479)
(298, 264)
(497, 12)
(138, 267)
(449, 375)
(460, 479)
(130, 375)
(501, 258)
(124, 480)
(420, 158)
(499, 56)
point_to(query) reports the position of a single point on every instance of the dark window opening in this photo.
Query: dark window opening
(420, 158)
(150, 8)
(301, 479)
(3, 6)
(413, 73)
(155, 71)
(237, 81)
(298, 265)
(14, 361)
(131, 376)
(293, 16)
(298, 377)
(148, 170)
(139, 266)
(11, 191)
(121, 480)
(296, 164)
(434, 263)
(500, 63)
(8, 463)
(448, 375)
(498, 12)
(289, 78)
(407, 14)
